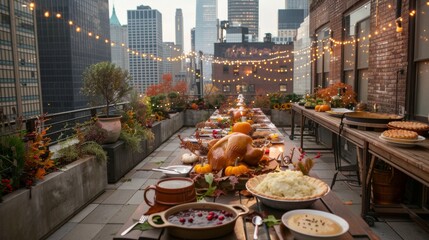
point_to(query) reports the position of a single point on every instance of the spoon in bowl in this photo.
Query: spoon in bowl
(257, 221)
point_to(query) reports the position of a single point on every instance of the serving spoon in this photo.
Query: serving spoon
(257, 220)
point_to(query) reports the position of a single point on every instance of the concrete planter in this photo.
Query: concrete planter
(192, 117)
(120, 159)
(53, 200)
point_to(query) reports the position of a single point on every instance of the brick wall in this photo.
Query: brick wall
(387, 51)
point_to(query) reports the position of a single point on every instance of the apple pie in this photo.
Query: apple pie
(408, 125)
(400, 134)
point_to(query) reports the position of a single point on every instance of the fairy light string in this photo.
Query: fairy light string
(285, 55)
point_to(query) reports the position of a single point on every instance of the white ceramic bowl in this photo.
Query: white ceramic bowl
(279, 203)
(298, 234)
(183, 169)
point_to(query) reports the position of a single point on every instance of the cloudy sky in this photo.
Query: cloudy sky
(267, 15)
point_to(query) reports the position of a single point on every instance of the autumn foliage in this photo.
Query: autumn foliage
(166, 86)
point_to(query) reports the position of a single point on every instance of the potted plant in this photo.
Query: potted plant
(106, 83)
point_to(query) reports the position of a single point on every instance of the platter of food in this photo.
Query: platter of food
(202, 220)
(400, 137)
(370, 117)
(287, 190)
(314, 224)
(338, 112)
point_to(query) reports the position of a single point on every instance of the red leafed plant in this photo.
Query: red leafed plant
(38, 158)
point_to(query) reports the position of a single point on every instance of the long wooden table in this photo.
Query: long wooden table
(412, 161)
(244, 228)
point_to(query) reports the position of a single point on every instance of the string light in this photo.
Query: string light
(285, 55)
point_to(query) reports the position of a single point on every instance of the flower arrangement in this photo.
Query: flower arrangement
(348, 96)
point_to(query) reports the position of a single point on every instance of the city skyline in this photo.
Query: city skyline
(266, 8)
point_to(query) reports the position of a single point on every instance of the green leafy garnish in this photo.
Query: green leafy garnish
(146, 226)
(271, 221)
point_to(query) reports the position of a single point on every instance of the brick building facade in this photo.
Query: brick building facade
(251, 68)
(360, 43)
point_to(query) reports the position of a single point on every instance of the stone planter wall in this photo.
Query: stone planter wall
(192, 117)
(53, 200)
(121, 159)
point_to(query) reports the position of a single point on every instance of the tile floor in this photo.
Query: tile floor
(103, 218)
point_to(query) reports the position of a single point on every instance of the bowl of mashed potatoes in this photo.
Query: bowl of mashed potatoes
(314, 225)
(287, 190)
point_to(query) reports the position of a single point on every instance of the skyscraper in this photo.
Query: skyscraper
(206, 31)
(119, 38)
(297, 4)
(145, 37)
(245, 13)
(20, 93)
(66, 48)
(179, 29)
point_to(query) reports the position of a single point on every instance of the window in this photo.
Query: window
(251, 88)
(226, 88)
(421, 58)
(283, 88)
(241, 88)
(323, 54)
(236, 70)
(225, 69)
(356, 53)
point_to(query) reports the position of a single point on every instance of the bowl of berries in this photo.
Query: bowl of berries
(199, 220)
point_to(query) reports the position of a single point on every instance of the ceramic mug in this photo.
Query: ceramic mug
(172, 191)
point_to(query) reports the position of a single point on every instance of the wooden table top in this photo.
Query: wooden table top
(412, 160)
(244, 228)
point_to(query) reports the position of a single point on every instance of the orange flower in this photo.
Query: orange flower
(40, 173)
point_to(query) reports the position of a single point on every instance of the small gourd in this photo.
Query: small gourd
(188, 158)
(203, 168)
(237, 169)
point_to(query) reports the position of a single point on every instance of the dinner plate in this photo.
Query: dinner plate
(277, 141)
(399, 143)
(338, 112)
(419, 139)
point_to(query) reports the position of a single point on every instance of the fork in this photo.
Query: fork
(142, 219)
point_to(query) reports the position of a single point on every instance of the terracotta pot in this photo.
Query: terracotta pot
(199, 232)
(113, 127)
(172, 191)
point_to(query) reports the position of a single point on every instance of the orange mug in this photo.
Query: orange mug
(172, 191)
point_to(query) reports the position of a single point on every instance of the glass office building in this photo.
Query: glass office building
(66, 49)
(145, 38)
(20, 94)
(245, 13)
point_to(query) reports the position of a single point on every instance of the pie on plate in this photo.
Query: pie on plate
(400, 134)
(408, 125)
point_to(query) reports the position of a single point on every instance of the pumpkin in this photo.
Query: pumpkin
(324, 108)
(235, 145)
(242, 127)
(316, 108)
(203, 168)
(188, 158)
(236, 170)
(194, 106)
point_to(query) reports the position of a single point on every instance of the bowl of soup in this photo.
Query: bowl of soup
(314, 224)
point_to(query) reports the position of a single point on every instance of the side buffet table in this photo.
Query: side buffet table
(413, 161)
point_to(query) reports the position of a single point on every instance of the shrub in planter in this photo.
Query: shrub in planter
(106, 83)
(21, 164)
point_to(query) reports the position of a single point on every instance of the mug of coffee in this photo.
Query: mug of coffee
(172, 191)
